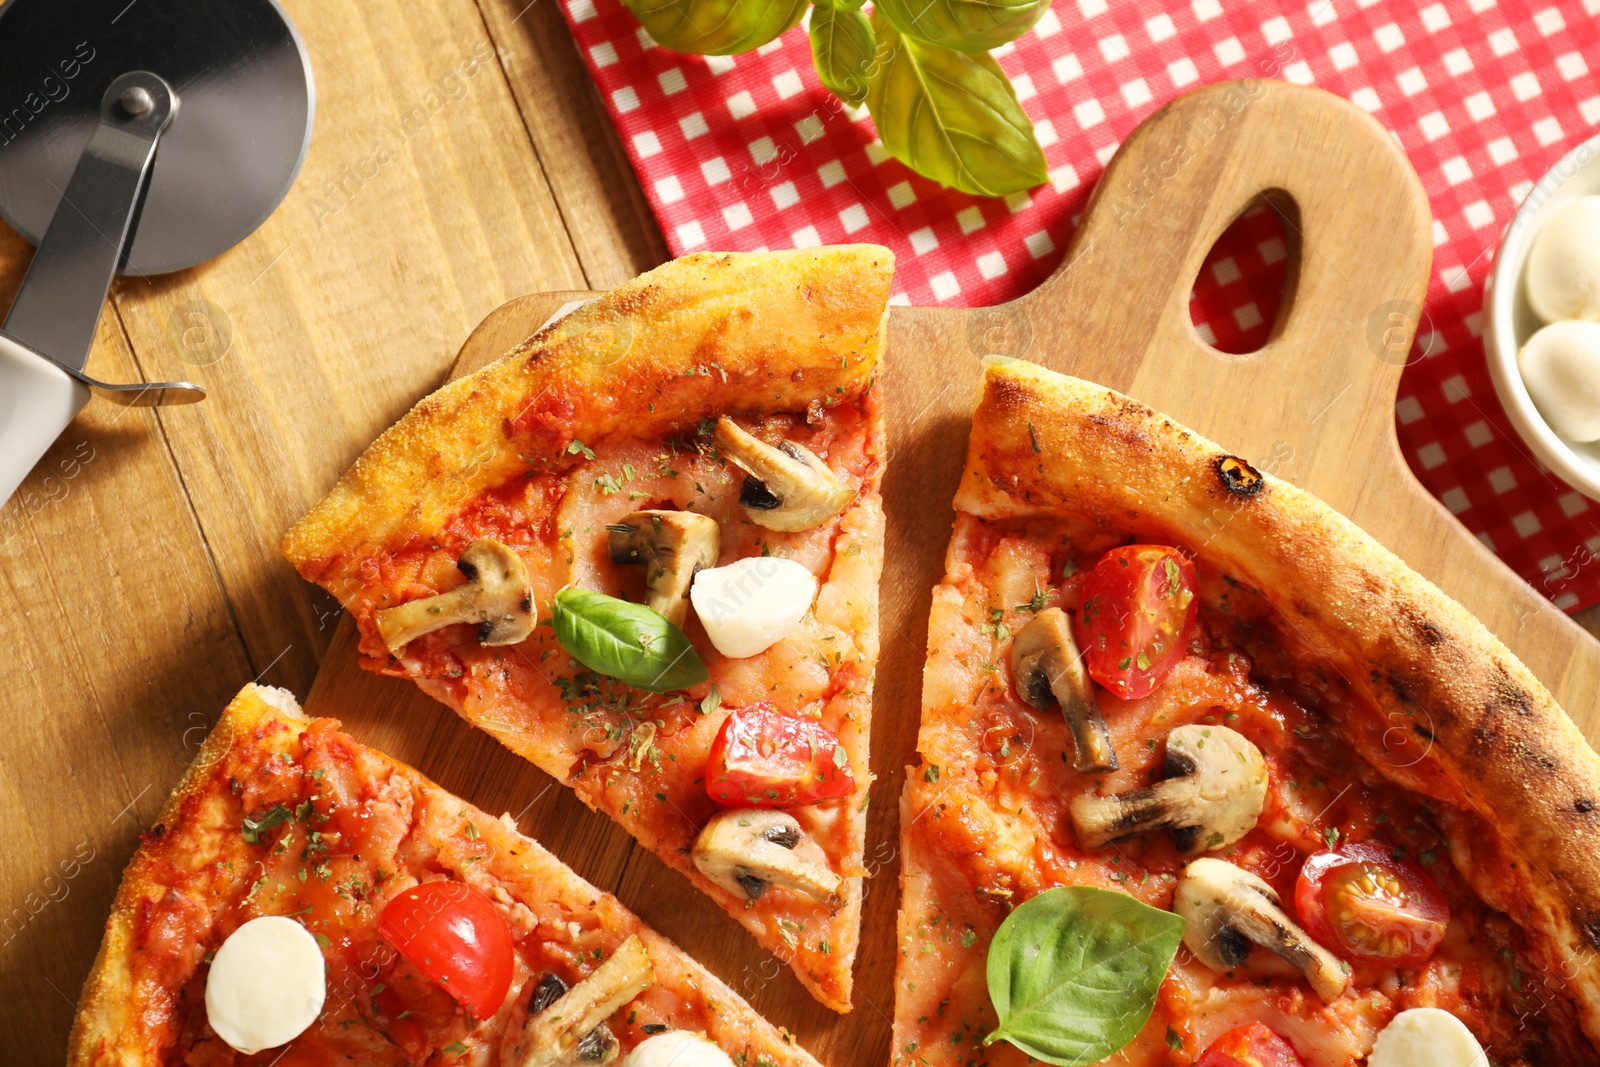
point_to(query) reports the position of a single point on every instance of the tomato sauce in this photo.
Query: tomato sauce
(640, 757)
(987, 825)
(341, 831)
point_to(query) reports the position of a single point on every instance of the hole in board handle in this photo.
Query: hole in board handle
(1242, 293)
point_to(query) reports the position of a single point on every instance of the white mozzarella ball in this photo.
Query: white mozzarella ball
(1426, 1037)
(1562, 277)
(267, 984)
(1563, 272)
(676, 1048)
(1561, 367)
(752, 604)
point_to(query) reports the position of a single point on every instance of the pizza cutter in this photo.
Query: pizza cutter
(136, 137)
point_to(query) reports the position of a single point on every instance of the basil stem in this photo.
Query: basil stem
(625, 641)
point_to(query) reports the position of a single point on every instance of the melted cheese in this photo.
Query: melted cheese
(266, 984)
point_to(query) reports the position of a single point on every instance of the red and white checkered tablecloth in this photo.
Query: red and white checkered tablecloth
(751, 152)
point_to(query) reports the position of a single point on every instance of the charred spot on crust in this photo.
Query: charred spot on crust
(1590, 925)
(1509, 696)
(1584, 805)
(1423, 732)
(1402, 688)
(1239, 478)
(1431, 634)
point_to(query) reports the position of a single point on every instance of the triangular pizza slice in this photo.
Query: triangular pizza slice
(642, 550)
(1209, 776)
(306, 901)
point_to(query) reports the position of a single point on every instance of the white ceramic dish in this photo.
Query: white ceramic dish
(1509, 321)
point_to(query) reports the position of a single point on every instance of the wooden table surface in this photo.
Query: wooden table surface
(461, 158)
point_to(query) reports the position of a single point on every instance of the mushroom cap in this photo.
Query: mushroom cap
(1215, 788)
(497, 597)
(673, 546)
(1226, 909)
(789, 487)
(744, 850)
(1046, 670)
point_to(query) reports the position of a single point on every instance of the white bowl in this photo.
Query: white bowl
(1509, 321)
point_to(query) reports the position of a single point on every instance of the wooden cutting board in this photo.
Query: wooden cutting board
(1315, 406)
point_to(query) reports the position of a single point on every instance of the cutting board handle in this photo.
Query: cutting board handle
(1358, 233)
(1315, 405)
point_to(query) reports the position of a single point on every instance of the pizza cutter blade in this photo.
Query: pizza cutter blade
(136, 137)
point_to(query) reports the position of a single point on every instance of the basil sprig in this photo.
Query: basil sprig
(1073, 973)
(964, 25)
(942, 105)
(626, 641)
(841, 50)
(715, 27)
(951, 116)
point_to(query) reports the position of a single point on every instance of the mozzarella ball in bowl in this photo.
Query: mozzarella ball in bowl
(1561, 367)
(1563, 273)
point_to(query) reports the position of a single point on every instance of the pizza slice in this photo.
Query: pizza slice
(643, 551)
(307, 901)
(1209, 776)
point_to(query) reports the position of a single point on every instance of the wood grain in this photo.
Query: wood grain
(102, 714)
(1314, 406)
(146, 588)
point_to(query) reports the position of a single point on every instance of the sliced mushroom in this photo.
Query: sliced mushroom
(789, 488)
(1215, 786)
(566, 1027)
(496, 596)
(1047, 670)
(748, 849)
(1226, 908)
(672, 546)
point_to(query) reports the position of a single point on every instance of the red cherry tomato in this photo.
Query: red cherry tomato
(1137, 614)
(764, 758)
(455, 936)
(1364, 905)
(1249, 1046)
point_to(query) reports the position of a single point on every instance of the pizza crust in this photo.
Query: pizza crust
(1497, 744)
(701, 336)
(104, 1030)
(113, 1025)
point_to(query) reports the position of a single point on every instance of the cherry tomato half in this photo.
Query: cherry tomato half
(1249, 1046)
(456, 937)
(1364, 905)
(1137, 614)
(764, 758)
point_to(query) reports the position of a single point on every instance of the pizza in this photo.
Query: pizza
(642, 550)
(1209, 776)
(307, 901)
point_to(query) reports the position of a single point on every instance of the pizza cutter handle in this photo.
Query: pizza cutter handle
(37, 401)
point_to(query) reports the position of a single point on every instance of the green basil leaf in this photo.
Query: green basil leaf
(841, 50)
(964, 25)
(1073, 973)
(626, 641)
(715, 27)
(843, 5)
(951, 116)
